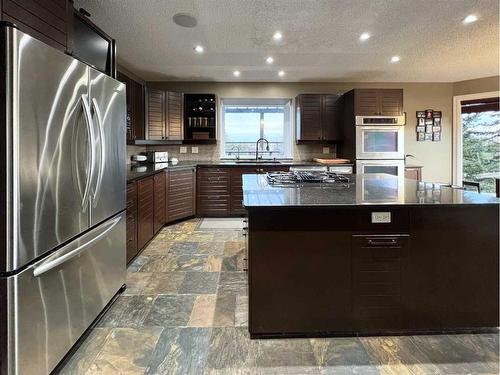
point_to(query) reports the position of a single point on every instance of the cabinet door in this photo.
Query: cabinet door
(138, 112)
(175, 115)
(145, 211)
(378, 277)
(391, 102)
(181, 193)
(331, 118)
(156, 121)
(309, 117)
(131, 220)
(213, 188)
(236, 204)
(159, 201)
(366, 102)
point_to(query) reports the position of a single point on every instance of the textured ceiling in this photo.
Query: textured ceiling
(320, 39)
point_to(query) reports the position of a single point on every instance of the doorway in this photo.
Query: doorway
(476, 141)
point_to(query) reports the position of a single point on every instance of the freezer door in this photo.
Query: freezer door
(52, 302)
(48, 148)
(108, 107)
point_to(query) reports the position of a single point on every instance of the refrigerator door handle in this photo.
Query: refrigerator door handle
(70, 253)
(102, 144)
(90, 132)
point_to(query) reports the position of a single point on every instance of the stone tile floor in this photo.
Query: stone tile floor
(185, 312)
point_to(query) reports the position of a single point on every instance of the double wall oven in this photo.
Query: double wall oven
(380, 144)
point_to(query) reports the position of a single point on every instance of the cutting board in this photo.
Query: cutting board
(332, 161)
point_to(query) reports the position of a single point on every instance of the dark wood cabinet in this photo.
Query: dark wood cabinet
(453, 270)
(213, 192)
(200, 118)
(145, 211)
(132, 248)
(135, 107)
(379, 270)
(160, 192)
(47, 20)
(181, 193)
(378, 102)
(164, 115)
(318, 117)
(413, 173)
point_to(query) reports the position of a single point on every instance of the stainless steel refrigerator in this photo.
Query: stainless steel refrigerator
(62, 196)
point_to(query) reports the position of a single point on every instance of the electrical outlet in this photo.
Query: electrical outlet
(381, 217)
(326, 150)
(194, 150)
(183, 150)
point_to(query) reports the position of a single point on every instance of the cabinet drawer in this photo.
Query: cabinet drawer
(213, 205)
(378, 274)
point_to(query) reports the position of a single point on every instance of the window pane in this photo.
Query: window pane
(245, 123)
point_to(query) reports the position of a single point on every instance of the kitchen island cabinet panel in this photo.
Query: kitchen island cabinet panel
(453, 268)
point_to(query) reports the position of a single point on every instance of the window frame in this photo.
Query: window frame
(288, 136)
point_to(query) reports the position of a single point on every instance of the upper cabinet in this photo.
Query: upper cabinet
(135, 107)
(58, 24)
(378, 102)
(200, 118)
(164, 115)
(318, 117)
(47, 20)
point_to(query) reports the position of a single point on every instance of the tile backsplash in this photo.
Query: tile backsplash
(212, 152)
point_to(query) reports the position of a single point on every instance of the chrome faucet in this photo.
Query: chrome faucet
(257, 147)
(238, 150)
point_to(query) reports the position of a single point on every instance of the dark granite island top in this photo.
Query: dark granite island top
(370, 189)
(381, 255)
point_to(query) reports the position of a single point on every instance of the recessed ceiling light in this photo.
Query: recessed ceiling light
(236, 73)
(277, 35)
(470, 19)
(281, 73)
(185, 20)
(269, 60)
(395, 59)
(199, 49)
(364, 36)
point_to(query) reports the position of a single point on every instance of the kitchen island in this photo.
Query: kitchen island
(375, 255)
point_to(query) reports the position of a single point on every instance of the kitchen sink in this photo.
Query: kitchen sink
(258, 162)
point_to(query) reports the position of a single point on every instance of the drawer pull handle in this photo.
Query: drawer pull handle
(383, 242)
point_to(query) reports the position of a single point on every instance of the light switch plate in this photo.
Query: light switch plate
(326, 150)
(183, 150)
(381, 217)
(194, 150)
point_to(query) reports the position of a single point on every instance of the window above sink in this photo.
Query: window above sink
(244, 121)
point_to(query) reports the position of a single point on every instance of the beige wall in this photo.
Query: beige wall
(475, 86)
(435, 157)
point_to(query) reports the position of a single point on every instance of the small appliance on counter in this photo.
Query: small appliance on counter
(157, 156)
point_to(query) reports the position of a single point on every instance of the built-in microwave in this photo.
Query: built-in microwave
(379, 142)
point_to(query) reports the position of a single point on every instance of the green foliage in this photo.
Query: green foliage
(481, 148)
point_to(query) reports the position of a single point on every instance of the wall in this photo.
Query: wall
(475, 86)
(435, 157)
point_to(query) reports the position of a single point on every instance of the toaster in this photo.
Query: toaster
(157, 156)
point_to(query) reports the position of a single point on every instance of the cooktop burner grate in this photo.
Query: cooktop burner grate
(303, 177)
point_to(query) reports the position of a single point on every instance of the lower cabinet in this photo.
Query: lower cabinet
(181, 193)
(220, 190)
(131, 220)
(160, 195)
(145, 211)
(379, 270)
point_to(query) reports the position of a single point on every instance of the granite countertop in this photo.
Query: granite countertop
(140, 170)
(369, 189)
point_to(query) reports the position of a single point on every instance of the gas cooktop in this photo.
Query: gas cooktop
(305, 177)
